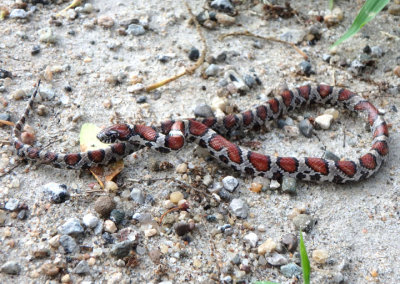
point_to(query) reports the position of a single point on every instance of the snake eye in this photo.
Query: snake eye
(109, 136)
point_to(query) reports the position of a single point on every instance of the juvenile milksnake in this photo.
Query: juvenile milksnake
(207, 133)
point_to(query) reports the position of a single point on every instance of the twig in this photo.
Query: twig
(189, 70)
(7, 122)
(247, 33)
(74, 4)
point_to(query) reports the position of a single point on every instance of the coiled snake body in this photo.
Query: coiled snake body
(208, 134)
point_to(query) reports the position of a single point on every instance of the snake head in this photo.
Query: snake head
(117, 132)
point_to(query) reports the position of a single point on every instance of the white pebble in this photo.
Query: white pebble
(324, 121)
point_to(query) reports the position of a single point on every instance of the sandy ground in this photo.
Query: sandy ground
(357, 224)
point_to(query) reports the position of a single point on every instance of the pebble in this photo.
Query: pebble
(304, 222)
(225, 19)
(291, 131)
(277, 259)
(82, 267)
(87, 8)
(57, 193)
(274, 184)
(22, 215)
(68, 243)
(239, 207)
(18, 94)
(330, 156)
(295, 36)
(265, 182)
(110, 186)
(28, 138)
(117, 216)
(396, 71)
(224, 194)
(222, 5)
(137, 196)
(105, 22)
(182, 228)
(230, 183)
(47, 35)
(394, 9)
(11, 267)
(290, 242)
(54, 242)
(289, 185)
(90, 221)
(238, 83)
(104, 205)
(18, 14)
(12, 204)
(334, 17)
(376, 51)
(110, 227)
(326, 57)
(332, 112)
(291, 269)
(194, 54)
(250, 80)
(251, 238)
(49, 269)
(212, 70)
(267, 247)
(5, 116)
(164, 58)
(320, 256)
(71, 227)
(135, 30)
(324, 121)
(256, 187)
(176, 196)
(306, 68)
(150, 232)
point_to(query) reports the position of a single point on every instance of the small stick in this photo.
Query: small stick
(247, 33)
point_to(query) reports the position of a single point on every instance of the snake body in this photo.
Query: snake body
(208, 133)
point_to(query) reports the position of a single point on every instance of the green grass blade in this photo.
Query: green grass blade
(331, 4)
(305, 263)
(366, 14)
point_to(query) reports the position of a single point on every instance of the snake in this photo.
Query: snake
(210, 133)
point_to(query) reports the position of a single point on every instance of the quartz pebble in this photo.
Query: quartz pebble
(137, 196)
(135, 30)
(251, 238)
(212, 70)
(182, 168)
(71, 227)
(176, 196)
(150, 232)
(47, 35)
(239, 208)
(277, 259)
(105, 22)
(320, 256)
(11, 204)
(290, 270)
(110, 227)
(18, 14)
(11, 267)
(267, 247)
(274, 184)
(324, 121)
(121, 249)
(304, 222)
(90, 221)
(230, 183)
(68, 243)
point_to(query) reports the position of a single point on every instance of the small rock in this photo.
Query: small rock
(294, 36)
(137, 88)
(5, 74)
(249, 80)
(50, 269)
(11, 267)
(224, 194)
(212, 70)
(71, 227)
(182, 228)
(150, 232)
(155, 255)
(41, 253)
(225, 19)
(376, 51)
(47, 35)
(324, 121)
(82, 267)
(290, 242)
(137, 196)
(68, 243)
(222, 5)
(304, 222)
(194, 54)
(176, 196)
(267, 247)
(12, 204)
(5, 116)
(104, 205)
(320, 256)
(239, 208)
(330, 156)
(306, 68)
(135, 30)
(18, 14)
(290, 270)
(274, 185)
(57, 193)
(110, 186)
(326, 57)
(334, 17)
(90, 221)
(110, 227)
(203, 110)
(338, 278)
(394, 9)
(164, 58)
(28, 138)
(239, 86)
(256, 187)
(277, 260)
(105, 22)
(87, 8)
(291, 131)
(230, 183)
(18, 95)
(332, 112)
(289, 185)
(251, 238)
(117, 216)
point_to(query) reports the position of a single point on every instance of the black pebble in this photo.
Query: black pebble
(35, 49)
(194, 54)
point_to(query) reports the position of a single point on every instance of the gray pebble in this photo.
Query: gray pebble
(5, 74)
(224, 194)
(18, 14)
(295, 36)
(249, 80)
(140, 250)
(222, 5)
(306, 68)
(304, 222)
(290, 242)
(141, 99)
(330, 156)
(57, 193)
(277, 260)
(376, 51)
(236, 259)
(221, 57)
(163, 58)
(137, 195)
(11, 267)
(222, 83)
(82, 267)
(135, 30)
(239, 208)
(121, 249)
(46, 93)
(291, 269)
(104, 205)
(230, 183)
(212, 70)
(71, 227)
(203, 110)
(227, 280)
(326, 57)
(22, 215)
(289, 185)
(338, 278)
(306, 128)
(47, 35)
(90, 221)
(117, 216)
(194, 54)
(35, 49)
(182, 228)
(12, 204)
(68, 243)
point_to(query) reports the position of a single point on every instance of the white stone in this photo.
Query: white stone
(251, 238)
(324, 121)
